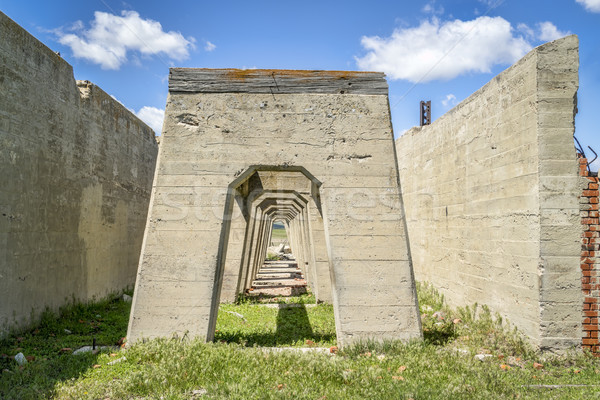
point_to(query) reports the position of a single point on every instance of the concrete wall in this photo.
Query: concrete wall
(76, 169)
(491, 197)
(222, 129)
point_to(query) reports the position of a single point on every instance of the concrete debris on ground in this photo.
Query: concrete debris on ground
(20, 359)
(118, 360)
(90, 349)
(278, 278)
(198, 393)
(236, 314)
(323, 350)
(282, 251)
(482, 357)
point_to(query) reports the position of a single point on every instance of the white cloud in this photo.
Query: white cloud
(549, 31)
(449, 100)
(209, 46)
(430, 8)
(443, 50)
(111, 37)
(590, 5)
(153, 117)
(526, 30)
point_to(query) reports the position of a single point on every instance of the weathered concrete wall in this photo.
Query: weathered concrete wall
(76, 169)
(491, 197)
(223, 129)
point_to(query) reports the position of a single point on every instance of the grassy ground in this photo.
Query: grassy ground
(49, 347)
(279, 234)
(443, 366)
(273, 327)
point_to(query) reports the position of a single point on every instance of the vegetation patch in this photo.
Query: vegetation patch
(49, 347)
(278, 233)
(467, 353)
(255, 325)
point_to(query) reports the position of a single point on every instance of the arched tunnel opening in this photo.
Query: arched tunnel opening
(279, 236)
(275, 255)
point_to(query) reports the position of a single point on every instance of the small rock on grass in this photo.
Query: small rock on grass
(20, 359)
(439, 315)
(236, 314)
(88, 349)
(118, 360)
(198, 393)
(482, 357)
(127, 298)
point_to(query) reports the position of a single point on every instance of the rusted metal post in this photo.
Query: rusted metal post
(425, 112)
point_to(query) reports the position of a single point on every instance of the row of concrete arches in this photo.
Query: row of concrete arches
(256, 199)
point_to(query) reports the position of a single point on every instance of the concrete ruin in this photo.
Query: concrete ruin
(497, 211)
(241, 149)
(76, 172)
(491, 195)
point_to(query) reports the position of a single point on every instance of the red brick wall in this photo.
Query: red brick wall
(590, 269)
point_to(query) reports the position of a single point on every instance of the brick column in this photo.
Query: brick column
(590, 269)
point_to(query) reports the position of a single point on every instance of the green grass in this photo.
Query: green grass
(473, 327)
(174, 369)
(279, 234)
(440, 367)
(262, 326)
(49, 343)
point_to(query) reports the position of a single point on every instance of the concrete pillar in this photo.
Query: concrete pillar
(235, 248)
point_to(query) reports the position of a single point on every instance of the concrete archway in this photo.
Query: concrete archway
(232, 136)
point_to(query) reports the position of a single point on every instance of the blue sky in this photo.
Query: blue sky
(430, 50)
